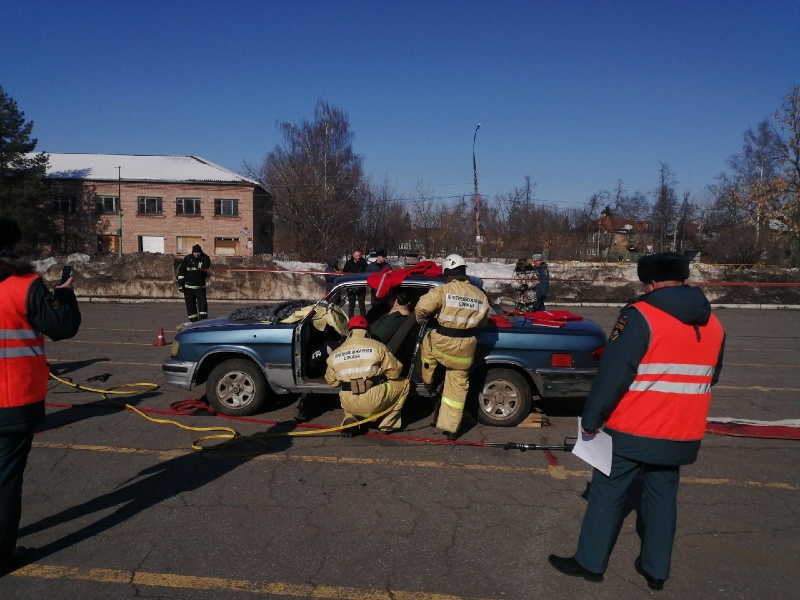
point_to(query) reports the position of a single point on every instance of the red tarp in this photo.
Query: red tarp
(386, 279)
(772, 432)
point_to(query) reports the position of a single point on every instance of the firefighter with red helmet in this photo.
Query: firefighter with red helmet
(460, 308)
(369, 377)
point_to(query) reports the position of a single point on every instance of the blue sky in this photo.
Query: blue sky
(574, 94)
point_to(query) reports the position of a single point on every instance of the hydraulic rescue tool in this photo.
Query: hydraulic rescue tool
(567, 446)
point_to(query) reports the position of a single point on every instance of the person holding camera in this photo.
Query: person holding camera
(28, 312)
(543, 284)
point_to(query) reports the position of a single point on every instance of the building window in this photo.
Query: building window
(107, 244)
(226, 246)
(69, 243)
(107, 205)
(65, 205)
(226, 208)
(149, 205)
(187, 206)
(184, 243)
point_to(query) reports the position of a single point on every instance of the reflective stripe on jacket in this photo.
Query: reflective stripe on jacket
(460, 305)
(360, 357)
(23, 366)
(193, 272)
(670, 395)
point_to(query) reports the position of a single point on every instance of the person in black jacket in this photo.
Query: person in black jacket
(331, 270)
(192, 274)
(356, 264)
(27, 310)
(376, 267)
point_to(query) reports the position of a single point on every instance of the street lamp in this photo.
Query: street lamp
(476, 197)
(119, 209)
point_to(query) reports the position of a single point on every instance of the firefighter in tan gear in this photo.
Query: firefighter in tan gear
(369, 376)
(460, 308)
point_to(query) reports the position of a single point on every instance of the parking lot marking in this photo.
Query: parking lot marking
(562, 472)
(218, 584)
(730, 364)
(106, 342)
(757, 388)
(111, 329)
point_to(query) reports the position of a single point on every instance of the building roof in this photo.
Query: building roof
(138, 167)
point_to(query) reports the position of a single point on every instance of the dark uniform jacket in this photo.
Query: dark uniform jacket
(544, 281)
(377, 267)
(386, 325)
(56, 315)
(355, 266)
(331, 266)
(192, 272)
(628, 343)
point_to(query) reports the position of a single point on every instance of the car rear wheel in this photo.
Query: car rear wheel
(236, 387)
(503, 399)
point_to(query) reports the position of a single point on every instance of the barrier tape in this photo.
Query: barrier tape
(552, 279)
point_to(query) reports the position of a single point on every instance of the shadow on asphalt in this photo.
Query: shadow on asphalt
(148, 488)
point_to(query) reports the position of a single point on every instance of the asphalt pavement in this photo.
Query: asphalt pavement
(119, 506)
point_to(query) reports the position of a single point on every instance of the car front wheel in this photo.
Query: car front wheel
(503, 398)
(236, 387)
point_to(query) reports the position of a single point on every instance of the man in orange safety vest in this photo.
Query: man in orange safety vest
(652, 391)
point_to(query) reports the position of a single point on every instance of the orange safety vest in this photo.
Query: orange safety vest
(23, 365)
(671, 393)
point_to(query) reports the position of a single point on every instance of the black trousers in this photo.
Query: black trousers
(14, 450)
(196, 303)
(361, 294)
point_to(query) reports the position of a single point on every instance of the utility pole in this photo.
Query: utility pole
(119, 210)
(476, 198)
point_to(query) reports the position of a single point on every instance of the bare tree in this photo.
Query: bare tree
(686, 213)
(383, 220)
(788, 132)
(425, 221)
(630, 206)
(665, 205)
(316, 183)
(753, 192)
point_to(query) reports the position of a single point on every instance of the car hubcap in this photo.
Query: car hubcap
(499, 399)
(236, 389)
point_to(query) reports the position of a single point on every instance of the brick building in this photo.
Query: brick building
(122, 203)
(615, 238)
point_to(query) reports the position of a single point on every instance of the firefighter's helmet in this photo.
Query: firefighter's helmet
(453, 261)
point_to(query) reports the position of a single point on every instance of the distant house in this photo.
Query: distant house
(615, 238)
(123, 203)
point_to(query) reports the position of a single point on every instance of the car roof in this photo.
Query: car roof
(413, 279)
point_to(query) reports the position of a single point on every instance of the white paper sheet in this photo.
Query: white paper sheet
(595, 449)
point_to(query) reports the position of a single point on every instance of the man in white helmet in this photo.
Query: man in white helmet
(460, 308)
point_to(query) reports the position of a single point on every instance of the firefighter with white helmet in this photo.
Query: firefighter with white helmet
(460, 308)
(370, 379)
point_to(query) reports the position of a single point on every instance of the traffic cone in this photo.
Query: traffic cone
(160, 341)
